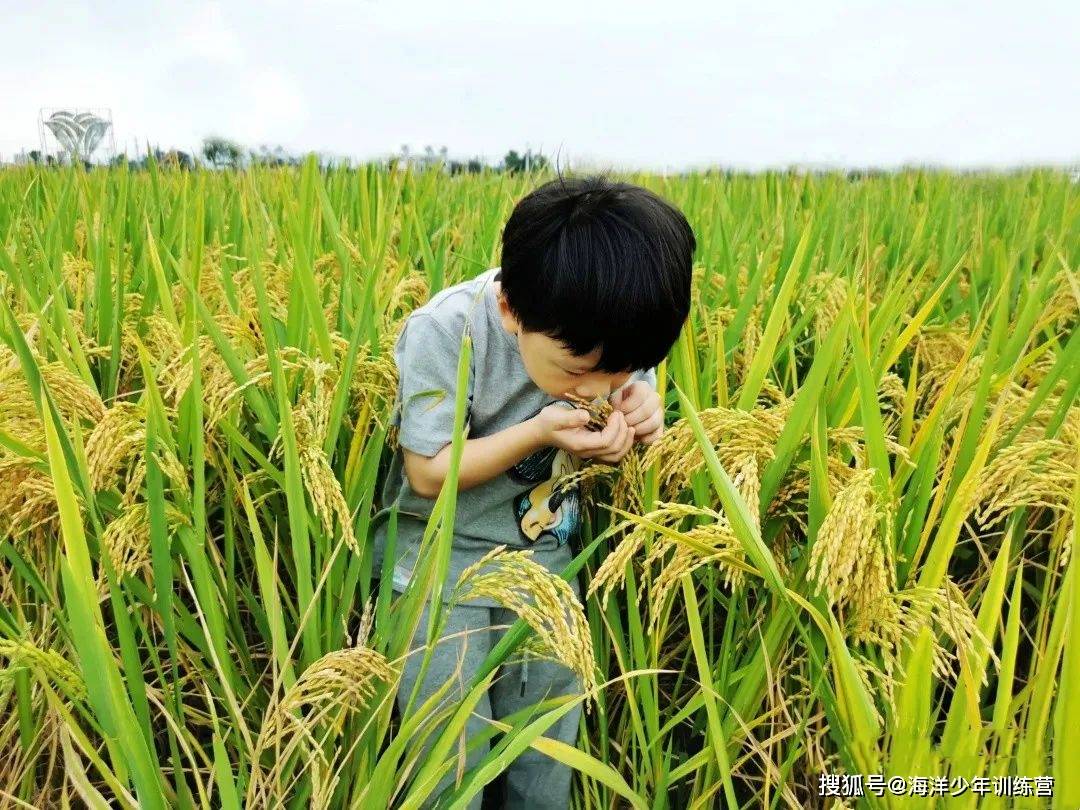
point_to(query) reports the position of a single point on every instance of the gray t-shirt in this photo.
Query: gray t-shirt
(517, 507)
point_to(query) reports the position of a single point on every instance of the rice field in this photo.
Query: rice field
(851, 552)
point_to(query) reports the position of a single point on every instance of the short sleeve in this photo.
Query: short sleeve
(648, 375)
(427, 360)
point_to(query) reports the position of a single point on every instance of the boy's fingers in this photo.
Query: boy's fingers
(591, 442)
(576, 418)
(620, 435)
(649, 424)
(618, 455)
(607, 435)
(620, 447)
(651, 437)
(598, 443)
(573, 418)
(628, 397)
(643, 411)
(610, 458)
(611, 436)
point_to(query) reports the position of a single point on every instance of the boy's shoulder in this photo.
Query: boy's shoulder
(454, 306)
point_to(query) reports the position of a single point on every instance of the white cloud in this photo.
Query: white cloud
(220, 86)
(273, 103)
(205, 34)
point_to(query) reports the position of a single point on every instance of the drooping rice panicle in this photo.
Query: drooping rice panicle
(543, 599)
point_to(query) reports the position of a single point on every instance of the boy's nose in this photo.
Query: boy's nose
(591, 392)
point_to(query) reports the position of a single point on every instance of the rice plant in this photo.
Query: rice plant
(850, 552)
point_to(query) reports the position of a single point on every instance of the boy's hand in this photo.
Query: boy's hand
(565, 428)
(642, 408)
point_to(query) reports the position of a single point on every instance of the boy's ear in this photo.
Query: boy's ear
(507, 315)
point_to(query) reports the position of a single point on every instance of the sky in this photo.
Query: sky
(625, 85)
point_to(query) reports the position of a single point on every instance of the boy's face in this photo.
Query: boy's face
(553, 368)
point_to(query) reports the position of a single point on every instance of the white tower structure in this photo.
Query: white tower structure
(77, 133)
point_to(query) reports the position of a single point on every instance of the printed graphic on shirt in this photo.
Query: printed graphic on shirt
(541, 509)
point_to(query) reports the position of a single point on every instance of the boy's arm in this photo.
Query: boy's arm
(481, 459)
(426, 355)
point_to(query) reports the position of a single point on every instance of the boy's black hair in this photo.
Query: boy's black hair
(591, 262)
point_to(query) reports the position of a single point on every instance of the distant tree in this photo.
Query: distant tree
(472, 166)
(222, 152)
(35, 156)
(159, 157)
(177, 159)
(272, 157)
(433, 158)
(514, 163)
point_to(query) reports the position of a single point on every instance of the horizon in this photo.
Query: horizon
(417, 162)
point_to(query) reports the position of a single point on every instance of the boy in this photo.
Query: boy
(592, 292)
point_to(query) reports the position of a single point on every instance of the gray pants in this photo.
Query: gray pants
(533, 780)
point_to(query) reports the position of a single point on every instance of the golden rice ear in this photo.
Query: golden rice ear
(1036, 472)
(847, 551)
(599, 411)
(312, 711)
(672, 554)
(310, 420)
(544, 600)
(27, 654)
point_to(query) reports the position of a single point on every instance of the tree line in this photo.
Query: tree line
(222, 153)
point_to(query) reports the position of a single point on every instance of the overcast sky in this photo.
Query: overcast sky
(619, 84)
